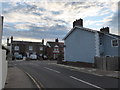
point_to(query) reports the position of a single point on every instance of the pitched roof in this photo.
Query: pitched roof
(90, 30)
(52, 44)
(26, 42)
(82, 28)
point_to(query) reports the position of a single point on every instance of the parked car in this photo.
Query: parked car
(19, 56)
(33, 56)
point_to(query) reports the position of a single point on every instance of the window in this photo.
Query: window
(30, 48)
(56, 49)
(115, 43)
(41, 48)
(16, 48)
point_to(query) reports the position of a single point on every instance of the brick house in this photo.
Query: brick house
(54, 49)
(26, 48)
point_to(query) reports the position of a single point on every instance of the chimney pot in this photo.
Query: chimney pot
(105, 29)
(78, 22)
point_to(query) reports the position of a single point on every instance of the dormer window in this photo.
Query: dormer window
(56, 49)
(56, 46)
(115, 43)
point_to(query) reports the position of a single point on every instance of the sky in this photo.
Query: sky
(34, 20)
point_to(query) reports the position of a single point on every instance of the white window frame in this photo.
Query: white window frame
(16, 48)
(41, 48)
(117, 42)
(30, 48)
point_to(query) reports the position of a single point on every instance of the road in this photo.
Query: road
(50, 75)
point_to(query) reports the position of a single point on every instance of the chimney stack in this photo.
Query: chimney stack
(11, 39)
(78, 22)
(105, 29)
(56, 40)
(43, 41)
(7, 41)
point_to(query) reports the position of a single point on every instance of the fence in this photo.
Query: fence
(107, 63)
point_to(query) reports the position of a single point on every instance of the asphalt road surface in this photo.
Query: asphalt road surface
(50, 75)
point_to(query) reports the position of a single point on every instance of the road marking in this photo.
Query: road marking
(98, 75)
(33, 80)
(87, 83)
(52, 70)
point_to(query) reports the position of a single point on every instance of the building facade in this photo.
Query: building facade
(26, 48)
(54, 49)
(83, 44)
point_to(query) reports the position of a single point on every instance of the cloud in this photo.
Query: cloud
(114, 23)
(53, 19)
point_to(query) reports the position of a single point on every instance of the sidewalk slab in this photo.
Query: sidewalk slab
(16, 78)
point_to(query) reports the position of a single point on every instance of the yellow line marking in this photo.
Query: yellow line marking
(34, 80)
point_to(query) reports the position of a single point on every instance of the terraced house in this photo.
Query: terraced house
(26, 49)
(54, 49)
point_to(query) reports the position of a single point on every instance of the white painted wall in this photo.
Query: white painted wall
(80, 46)
(0, 69)
(1, 30)
(3, 62)
(4, 68)
(0, 53)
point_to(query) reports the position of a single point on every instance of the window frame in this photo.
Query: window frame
(30, 49)
(16, 48)
(117, 43)
(41, 48)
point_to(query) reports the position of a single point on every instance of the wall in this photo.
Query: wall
(3, 62)
(80, 46)
(0, 53)
(4, 68)
(108, 48)
(0, 69)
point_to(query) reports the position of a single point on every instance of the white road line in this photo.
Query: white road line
(87, 83)
(52, 70)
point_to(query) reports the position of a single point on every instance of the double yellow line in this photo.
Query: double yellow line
(37, 83)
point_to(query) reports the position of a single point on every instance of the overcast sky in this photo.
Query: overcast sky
(33, 20)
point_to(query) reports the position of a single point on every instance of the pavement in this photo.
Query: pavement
(98, 72)
(49, 73)
(16, 78)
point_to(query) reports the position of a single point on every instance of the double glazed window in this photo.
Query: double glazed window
(115, 43)
(56, 49)
(41, 48)
(30, 48)
(16, 48)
